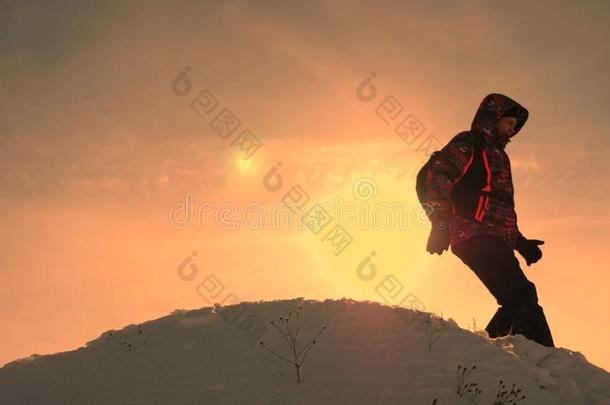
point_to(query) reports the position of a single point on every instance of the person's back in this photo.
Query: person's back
(473, 211)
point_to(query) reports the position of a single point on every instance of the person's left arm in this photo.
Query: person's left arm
(528, 248)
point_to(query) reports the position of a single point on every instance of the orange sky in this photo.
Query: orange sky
(95, 149)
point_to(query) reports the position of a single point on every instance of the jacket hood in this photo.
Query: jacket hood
(491, 109)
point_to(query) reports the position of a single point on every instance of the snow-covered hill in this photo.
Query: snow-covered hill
(369, 353)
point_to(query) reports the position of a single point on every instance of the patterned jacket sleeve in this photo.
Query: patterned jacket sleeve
(447, 168)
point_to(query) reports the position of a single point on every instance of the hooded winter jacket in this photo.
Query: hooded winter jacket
(475, 194)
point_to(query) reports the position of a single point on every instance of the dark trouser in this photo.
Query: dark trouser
(495, 264)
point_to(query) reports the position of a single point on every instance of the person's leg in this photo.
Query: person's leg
(480, 254)
(500, 324)
(530, 322)
(496, 265)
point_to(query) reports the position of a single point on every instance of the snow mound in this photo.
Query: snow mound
(369, 353)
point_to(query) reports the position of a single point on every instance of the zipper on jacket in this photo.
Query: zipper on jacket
(484, 199)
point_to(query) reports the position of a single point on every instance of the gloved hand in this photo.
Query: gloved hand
(438, 241)
(528, 248)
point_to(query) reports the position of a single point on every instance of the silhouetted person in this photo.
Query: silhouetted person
(469, 186)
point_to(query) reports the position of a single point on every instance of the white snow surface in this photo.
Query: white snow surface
(369, 353)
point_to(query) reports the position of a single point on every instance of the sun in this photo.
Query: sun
(244, 165)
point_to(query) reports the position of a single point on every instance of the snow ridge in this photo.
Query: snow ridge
(369, 353)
